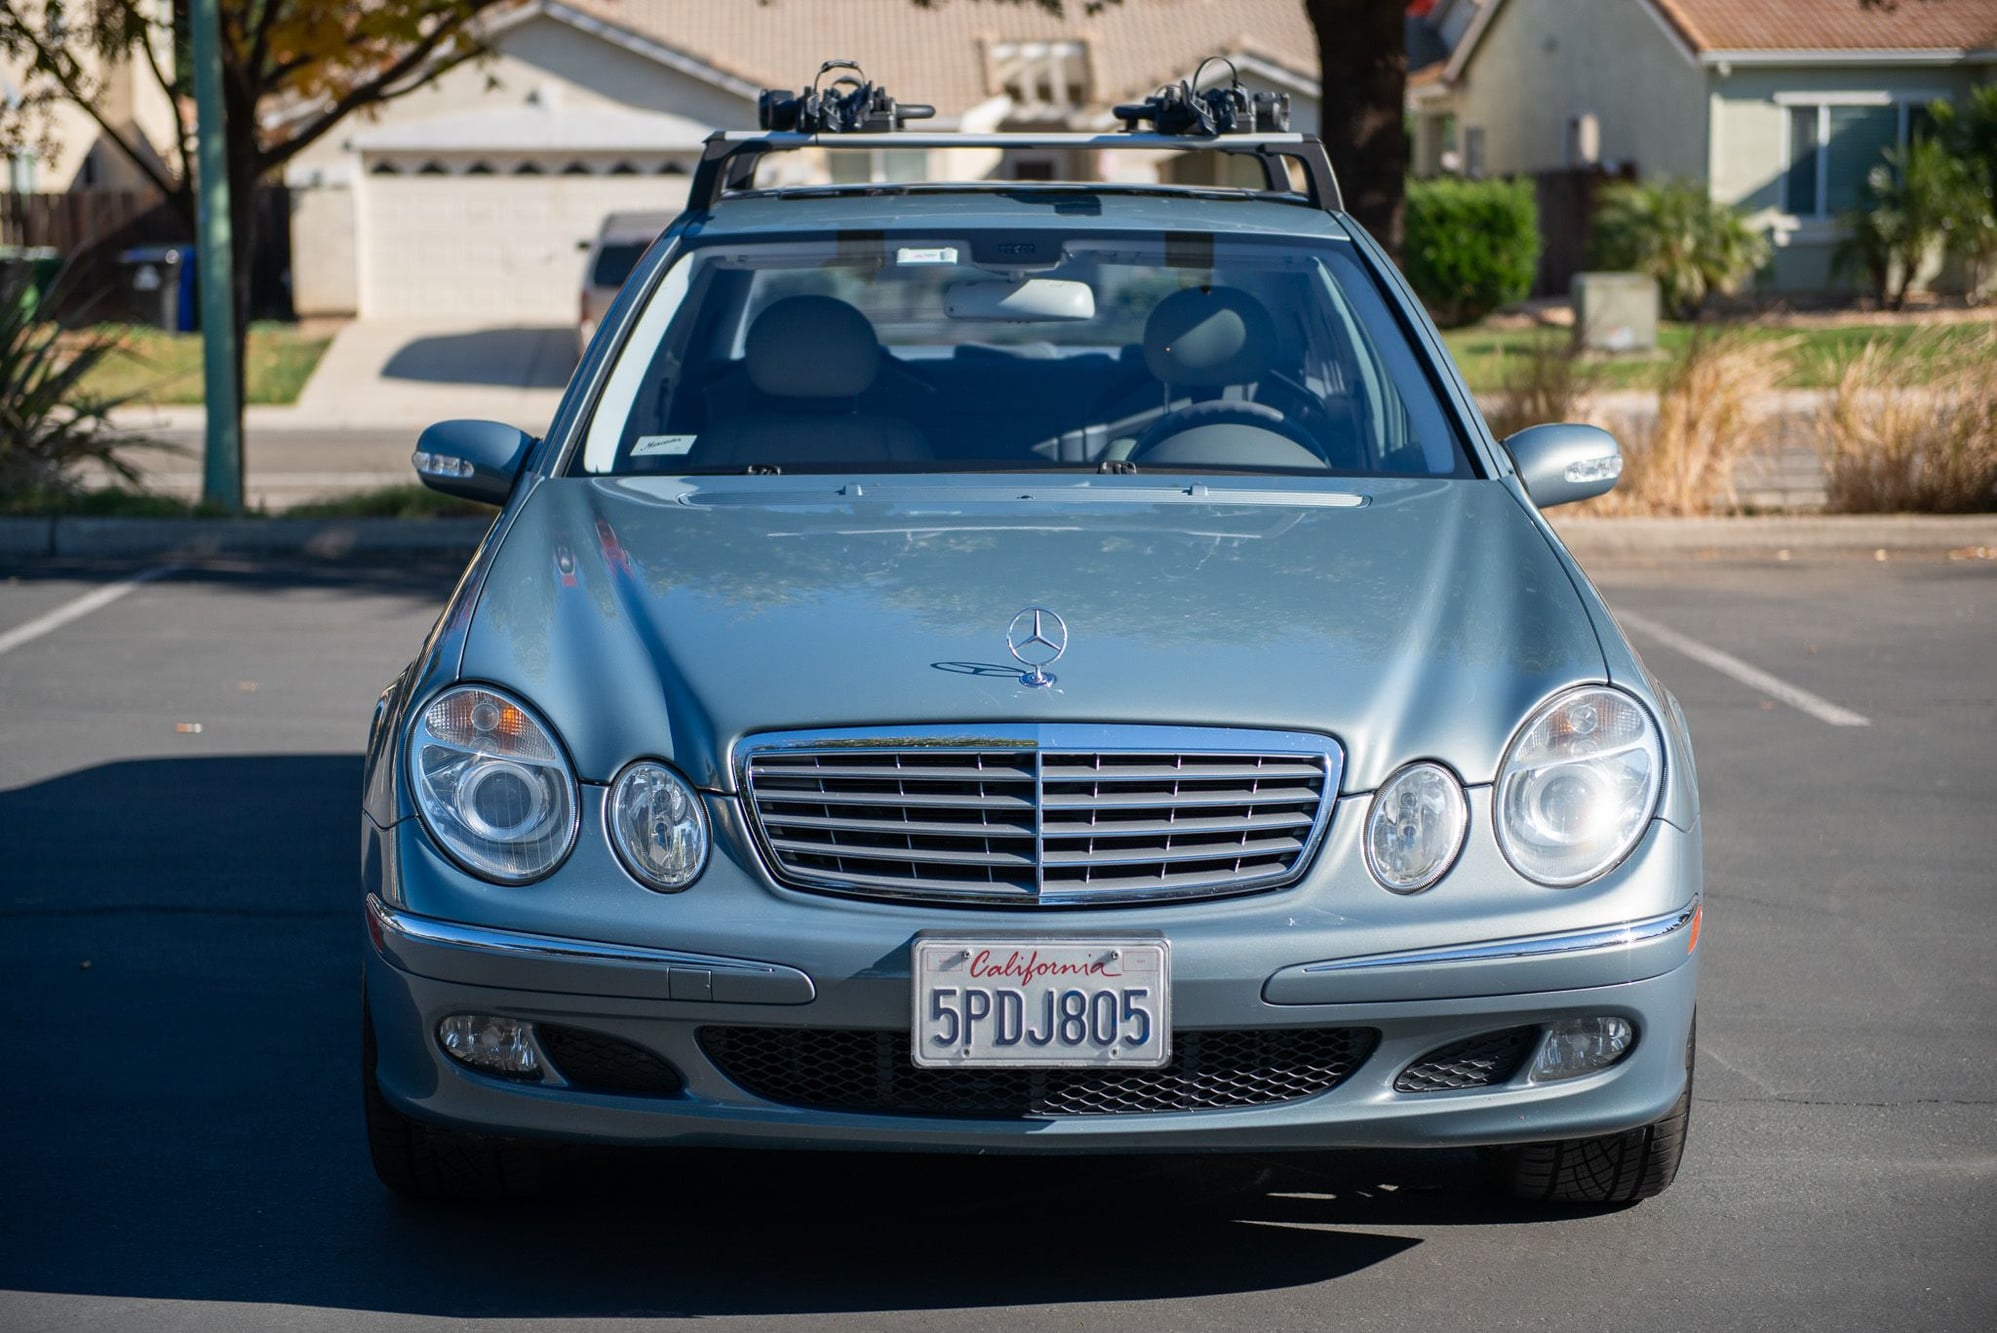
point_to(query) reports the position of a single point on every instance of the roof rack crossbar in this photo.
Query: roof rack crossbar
(729, 158)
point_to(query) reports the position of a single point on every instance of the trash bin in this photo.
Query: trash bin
(32, 267)
(158, 285)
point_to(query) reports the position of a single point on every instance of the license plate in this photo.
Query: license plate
(1042, 1003)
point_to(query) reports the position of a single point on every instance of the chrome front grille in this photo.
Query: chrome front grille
(1054, 815)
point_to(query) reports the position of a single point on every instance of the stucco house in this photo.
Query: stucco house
(55, 147)
(1778, 106)
(471, 196)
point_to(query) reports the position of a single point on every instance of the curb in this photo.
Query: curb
(327, 539)
(1777, 534)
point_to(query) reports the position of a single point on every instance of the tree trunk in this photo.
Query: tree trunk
(1362, 52)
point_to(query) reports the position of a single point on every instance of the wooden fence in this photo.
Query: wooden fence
(91, 228)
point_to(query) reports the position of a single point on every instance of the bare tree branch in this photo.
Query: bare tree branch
(59, 65)
(380, 89)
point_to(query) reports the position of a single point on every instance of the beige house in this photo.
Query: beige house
(1778, 106)
(472, 196)
(56, 147)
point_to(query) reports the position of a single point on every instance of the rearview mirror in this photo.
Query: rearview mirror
(474, 460)
(1021, 301)
(1563, 463)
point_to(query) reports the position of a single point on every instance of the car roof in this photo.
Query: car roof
(1011, 204)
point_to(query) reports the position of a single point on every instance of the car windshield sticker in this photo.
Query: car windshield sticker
(933, 254)
(648, 445)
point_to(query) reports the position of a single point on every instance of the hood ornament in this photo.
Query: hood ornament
(1036, 638)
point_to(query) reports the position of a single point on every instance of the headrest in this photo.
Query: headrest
(812, 347)
(1203, 337)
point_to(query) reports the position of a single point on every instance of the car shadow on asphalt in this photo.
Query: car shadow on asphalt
(513, 358)
(179, 949)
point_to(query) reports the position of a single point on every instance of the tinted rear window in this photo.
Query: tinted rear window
(615, 261)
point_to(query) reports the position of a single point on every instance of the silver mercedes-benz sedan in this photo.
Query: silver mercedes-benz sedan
(1032, 668)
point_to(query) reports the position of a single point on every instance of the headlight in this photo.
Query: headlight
(491, 784)
(1415, 828)
(657, 825)
(1578, 785)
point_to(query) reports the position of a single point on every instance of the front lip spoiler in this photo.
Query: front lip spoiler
(1523, 946)
(450, 951)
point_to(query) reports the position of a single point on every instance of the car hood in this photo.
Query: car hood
(652, 617)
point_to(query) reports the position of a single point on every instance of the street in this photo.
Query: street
(179, 774)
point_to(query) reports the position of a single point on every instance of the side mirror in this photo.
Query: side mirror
(1561, 464)
(474, 460)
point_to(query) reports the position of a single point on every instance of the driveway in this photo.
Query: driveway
(381, 372)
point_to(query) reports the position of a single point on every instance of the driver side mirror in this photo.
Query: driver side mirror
(1560, 464)
(474, 460)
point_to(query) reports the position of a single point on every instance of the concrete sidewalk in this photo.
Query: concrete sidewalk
(412, 372)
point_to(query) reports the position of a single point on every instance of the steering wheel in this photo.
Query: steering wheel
(1265, 453)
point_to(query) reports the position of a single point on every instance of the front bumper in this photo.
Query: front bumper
(1334, 951)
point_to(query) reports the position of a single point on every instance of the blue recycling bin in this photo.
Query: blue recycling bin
(159, 287)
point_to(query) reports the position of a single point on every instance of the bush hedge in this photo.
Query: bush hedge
(1472, 246)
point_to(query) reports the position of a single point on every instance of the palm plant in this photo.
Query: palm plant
(1970, 132)
(51, 424)
(1916, 201)
(1676, 233)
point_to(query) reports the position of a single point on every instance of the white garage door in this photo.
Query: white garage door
(497, 247)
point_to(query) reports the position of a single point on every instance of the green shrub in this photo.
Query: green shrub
(1675, 232)
(52, 426)
(1472, 246)
(1916, 200)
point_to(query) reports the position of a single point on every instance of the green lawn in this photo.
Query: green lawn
(1481, 351)
(165, 368)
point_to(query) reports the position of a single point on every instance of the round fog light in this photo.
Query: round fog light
(490, 1043)
(1576, 1046)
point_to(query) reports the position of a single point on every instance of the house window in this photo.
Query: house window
(1043, 78)
(21, 172)
(1473, 152)
(1834, 145)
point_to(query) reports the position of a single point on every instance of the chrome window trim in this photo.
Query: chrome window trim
(1041, 738)
(551, 948)
(1627, 935)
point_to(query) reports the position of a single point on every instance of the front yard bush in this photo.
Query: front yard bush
(1678, 234)
(1472, 246)
(53, 428)
(1930, 448)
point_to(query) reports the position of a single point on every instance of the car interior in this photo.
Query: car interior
(806, 357)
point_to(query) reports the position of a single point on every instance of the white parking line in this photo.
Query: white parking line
(95, 600)
(1753, 677)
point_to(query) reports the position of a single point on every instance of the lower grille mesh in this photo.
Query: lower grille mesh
(596, 1063)
(1477, 1062)
(870, 1073)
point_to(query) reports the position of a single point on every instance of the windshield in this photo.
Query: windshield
(1019, 350)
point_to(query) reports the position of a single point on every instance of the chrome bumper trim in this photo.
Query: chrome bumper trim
(691, 976)
(1523, 946)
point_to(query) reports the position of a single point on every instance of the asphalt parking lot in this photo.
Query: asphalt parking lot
(178, 966)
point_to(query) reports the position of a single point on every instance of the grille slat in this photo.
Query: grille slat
(926, 855)
(918, 827)
(914, 800)
(1051, 815)
(870, 1073)
(1258, 849)
(1135, 828)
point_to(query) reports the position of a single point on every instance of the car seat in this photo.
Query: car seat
(809, 358)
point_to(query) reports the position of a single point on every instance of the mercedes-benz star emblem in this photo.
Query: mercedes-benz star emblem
(1036, 638)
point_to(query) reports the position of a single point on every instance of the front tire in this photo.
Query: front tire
(1611, 1169)
(420, 1161)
